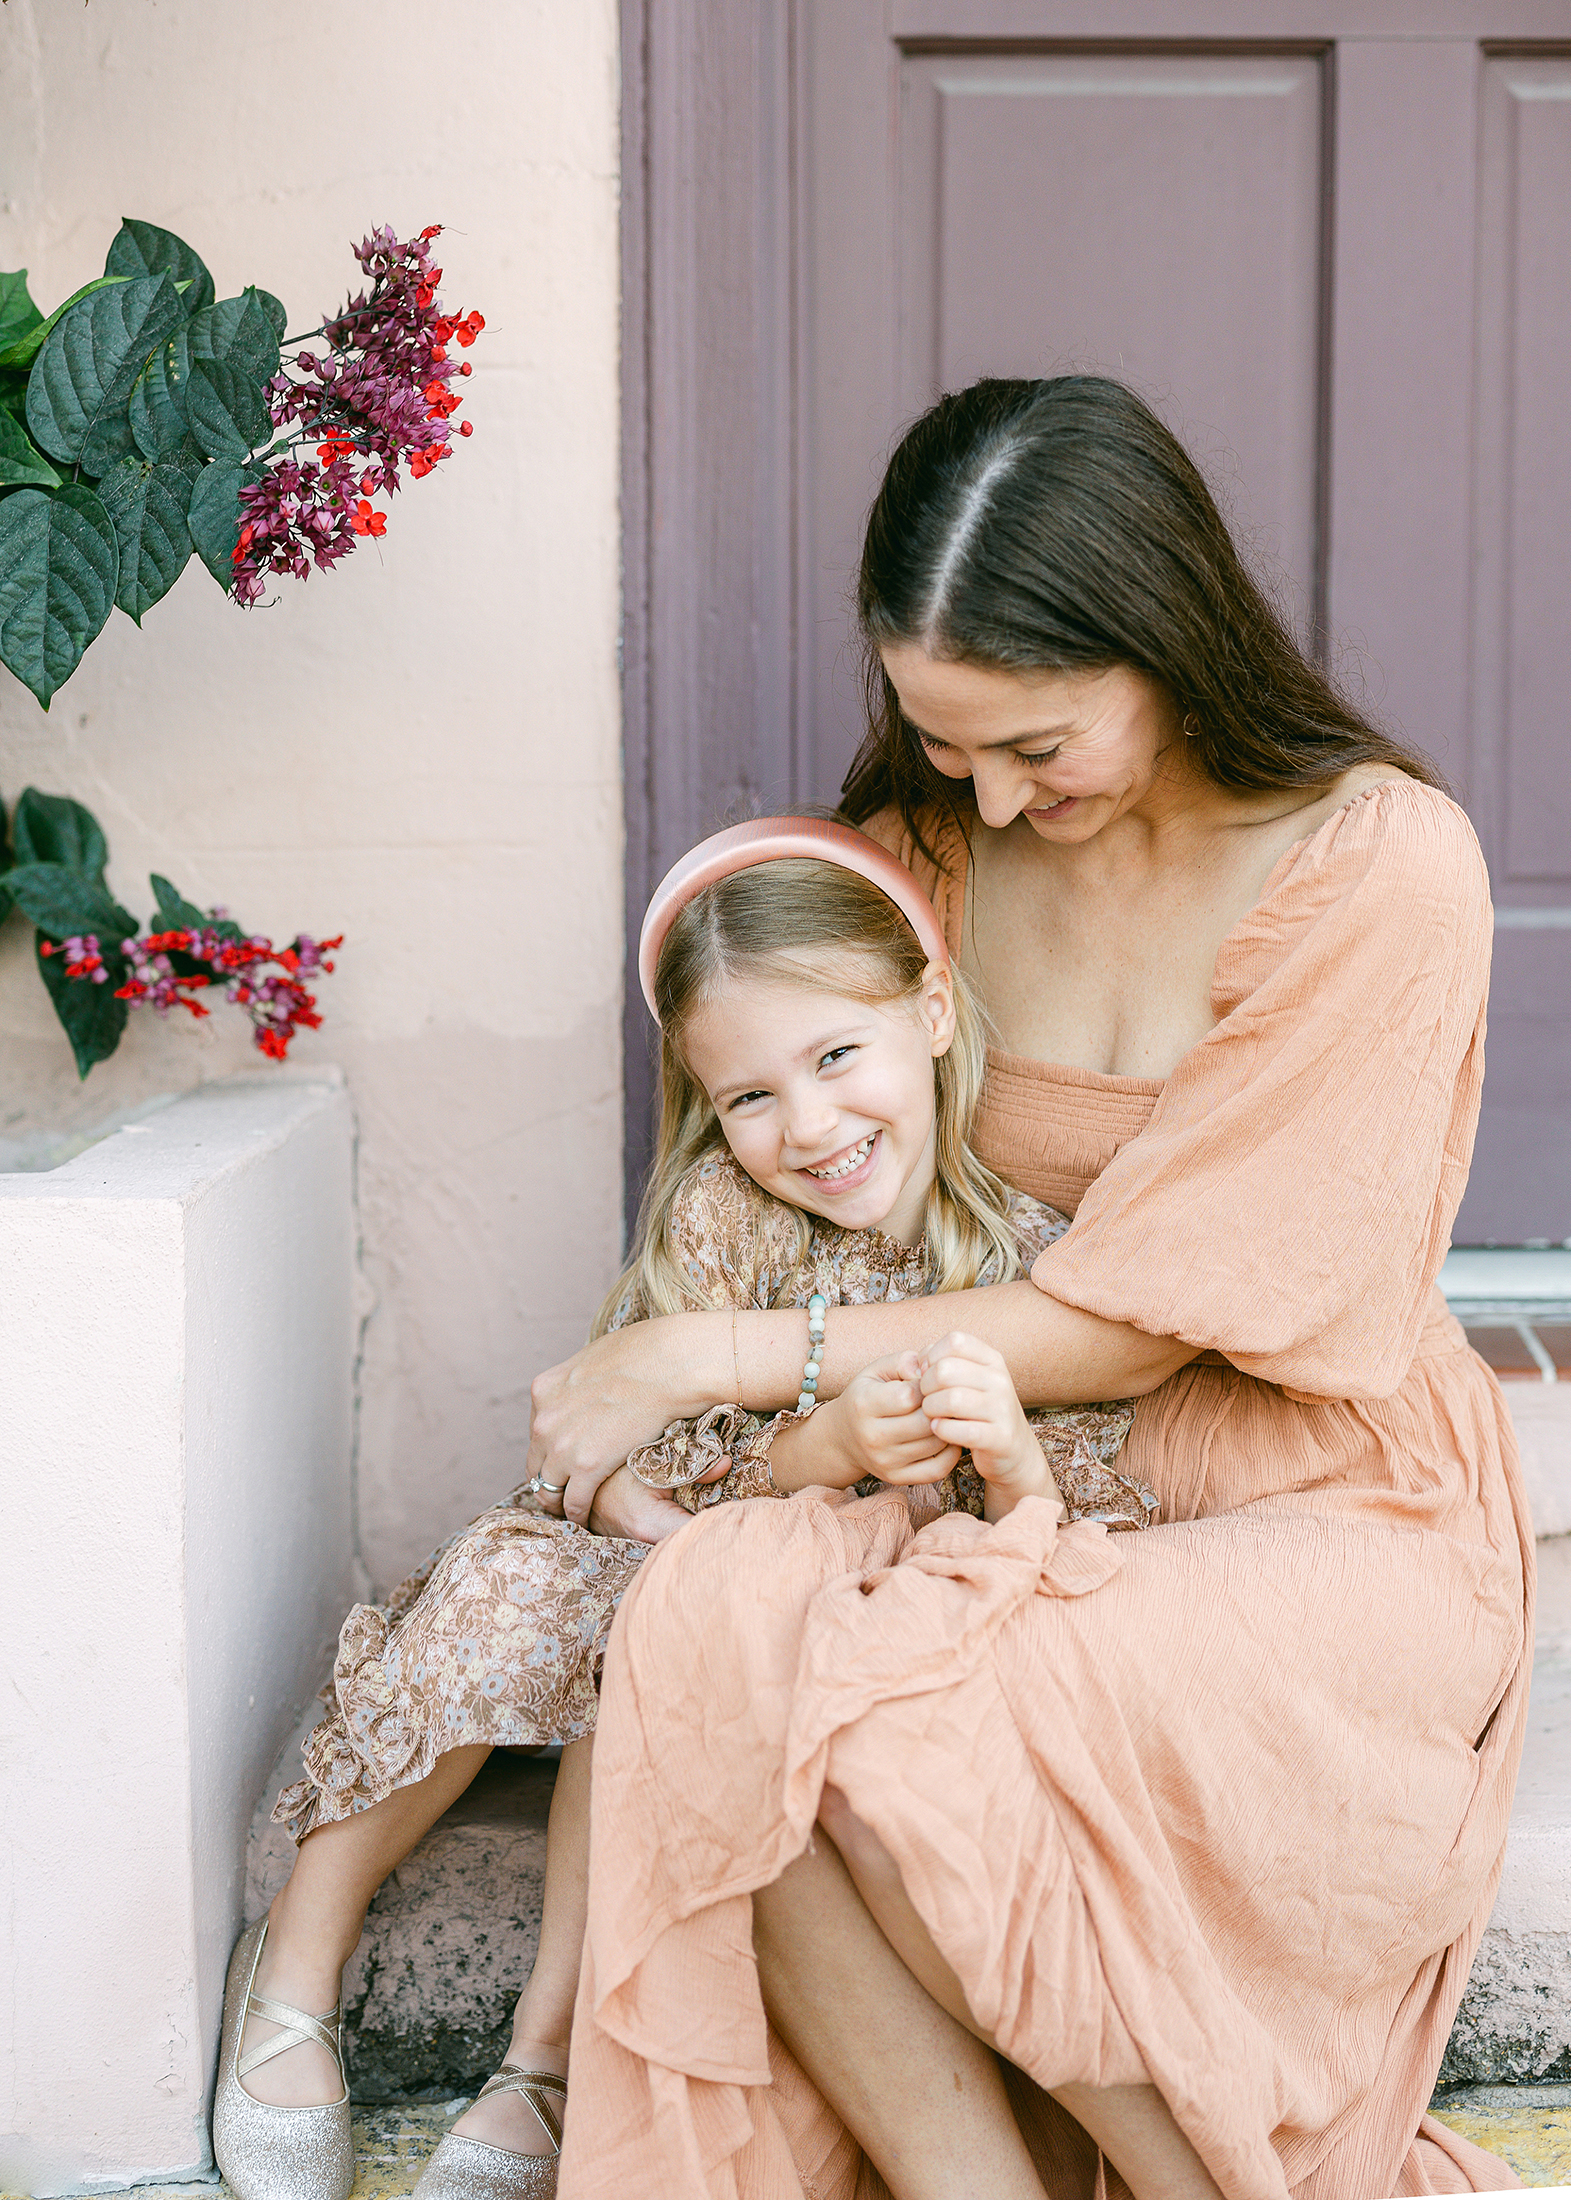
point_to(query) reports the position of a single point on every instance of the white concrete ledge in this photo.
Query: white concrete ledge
(176, 1354)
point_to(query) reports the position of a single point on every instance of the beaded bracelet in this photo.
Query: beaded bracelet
(817, 1308)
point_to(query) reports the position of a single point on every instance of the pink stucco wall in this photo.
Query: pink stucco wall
(421, 749)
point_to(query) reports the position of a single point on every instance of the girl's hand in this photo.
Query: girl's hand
(592, 1410)
(971, 1402)
(875, 1426)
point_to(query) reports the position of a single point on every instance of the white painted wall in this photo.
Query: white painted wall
(419, 749)
(176, 1346)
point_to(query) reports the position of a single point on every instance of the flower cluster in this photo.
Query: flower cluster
(380, 397)
(167, 968)
(83, 958)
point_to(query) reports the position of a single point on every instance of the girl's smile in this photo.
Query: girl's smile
(843, 1171)
(825, 1100)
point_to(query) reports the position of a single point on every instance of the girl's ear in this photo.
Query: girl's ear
(936, 1007)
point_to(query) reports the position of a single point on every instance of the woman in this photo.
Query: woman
(1197, 1832)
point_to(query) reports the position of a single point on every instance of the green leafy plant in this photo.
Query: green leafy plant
(146, 419)
(97, 961)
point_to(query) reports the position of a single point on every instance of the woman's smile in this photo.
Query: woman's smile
(1019, 736)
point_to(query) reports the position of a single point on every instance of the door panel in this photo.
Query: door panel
(1520, 789)
(1400, 475)
(1050, 207)
(1526, 430)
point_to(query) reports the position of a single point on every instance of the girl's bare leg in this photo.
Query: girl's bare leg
(315, 1922)
(543, 2020)
(921, 2094)
(1132, 2124)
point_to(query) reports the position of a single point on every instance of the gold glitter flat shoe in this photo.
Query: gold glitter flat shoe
(266, 2152)
(471, 2169)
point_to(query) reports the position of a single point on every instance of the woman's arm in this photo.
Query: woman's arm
(621, 1391)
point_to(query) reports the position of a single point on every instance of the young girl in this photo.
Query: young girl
(820, 1066)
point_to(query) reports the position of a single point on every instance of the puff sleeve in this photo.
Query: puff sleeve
(1291, 1199)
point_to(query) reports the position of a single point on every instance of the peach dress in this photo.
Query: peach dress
(497, 1638)
(1222, 1805)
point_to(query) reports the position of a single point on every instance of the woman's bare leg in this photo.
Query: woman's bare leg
(921, 2094)
(1132, 2124)
(543, 2020)
(316, 1920)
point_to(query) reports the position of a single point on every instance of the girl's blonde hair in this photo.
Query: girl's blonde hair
(807, 923)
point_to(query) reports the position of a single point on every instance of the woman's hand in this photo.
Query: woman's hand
(875, 1426)
(967, 1395)
(617, 1393)
(627, 1507)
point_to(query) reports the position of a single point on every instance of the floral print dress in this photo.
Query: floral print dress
(499, 1637)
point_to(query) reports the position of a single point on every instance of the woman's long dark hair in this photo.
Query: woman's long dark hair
(1059, 525)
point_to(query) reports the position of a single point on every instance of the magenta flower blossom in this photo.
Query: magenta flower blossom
(377, 399)
(266, 981)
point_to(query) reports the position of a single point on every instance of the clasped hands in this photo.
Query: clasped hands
(905, 1419)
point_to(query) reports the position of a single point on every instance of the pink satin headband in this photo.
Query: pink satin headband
(766, 840)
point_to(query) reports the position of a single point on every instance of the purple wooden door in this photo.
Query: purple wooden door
(1329, 239)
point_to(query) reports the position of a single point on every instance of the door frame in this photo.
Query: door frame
(709, 436)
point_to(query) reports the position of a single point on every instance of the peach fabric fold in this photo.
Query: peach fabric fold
(1222, 1804)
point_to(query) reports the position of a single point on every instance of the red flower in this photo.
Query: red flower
(466, 427)
(366, 521)
(336, 446)
(467, 327)
(424, 462)
(435, 230)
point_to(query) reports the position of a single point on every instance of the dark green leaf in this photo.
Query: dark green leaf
(236, 342)
(176, 914)
(225, 408)
(13, 393)
(23, 352)
(234, 355)
(157, 404)
(249, 325)
(18, 314)
(146, 501)
(93, 1019)
(82, 378)
(59, 564)
(214, 517)
(51, 828)
(21, 462)
(141, 249)
(61, 901)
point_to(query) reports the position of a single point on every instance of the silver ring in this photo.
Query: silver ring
(539, 1483)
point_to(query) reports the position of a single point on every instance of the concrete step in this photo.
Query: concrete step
(1514, 2024)
(450, 1939)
